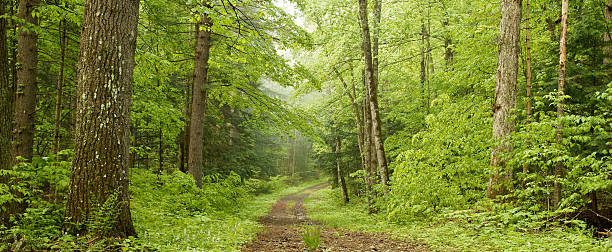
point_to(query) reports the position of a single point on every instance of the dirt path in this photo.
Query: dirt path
(284, 225)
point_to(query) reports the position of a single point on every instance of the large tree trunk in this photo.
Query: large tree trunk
(59, 88)
(373, 96)
(341, 181)
(505, 92)
(25, 102)
(199, 97)
(6, 119)
(561, 92)
(100, 172)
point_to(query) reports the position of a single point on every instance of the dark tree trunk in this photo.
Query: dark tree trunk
(561, 92)
(373, 96)
(527, 69)
(6, 119)
(59, 88)
(100, 169)
(505, 92)
(423, 73)
(25, 102)
(608, 38)
(341, 181)
(199, 97)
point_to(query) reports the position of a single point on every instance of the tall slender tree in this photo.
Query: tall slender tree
(25, 101)
(100, 172)
(6, 119)
(372, 86)
(341, 181)
(199, 97)
(527, 67)
(59, 87)
(560, 96)
(505, 92)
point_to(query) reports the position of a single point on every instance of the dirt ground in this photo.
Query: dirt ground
(284, 224)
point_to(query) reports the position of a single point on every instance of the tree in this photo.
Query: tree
(99, 179)
(199, 97)
(25, 101)
(60, 86)
(527, 68)
(505, 91)
(341, 181)
(6, 119)
(608, 37)
(560, 96)
(372, 87)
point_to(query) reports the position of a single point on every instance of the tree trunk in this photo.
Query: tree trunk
(341, 181)
(423, 73)
(373, 96)
(100, 172)
(369, 154)
(527, 70)
(608, 38)
(560, 96)
(199, 97)
(293, 156)
(185, 143)
(59, 88)
(25, 101)
(6, 119)
(505, 92)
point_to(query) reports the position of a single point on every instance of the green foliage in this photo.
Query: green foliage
(468, 230)
(312, 237)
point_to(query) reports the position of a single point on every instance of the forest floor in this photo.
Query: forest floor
(285, 223)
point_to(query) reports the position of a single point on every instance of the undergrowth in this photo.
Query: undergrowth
(462, 231)
(169, 212)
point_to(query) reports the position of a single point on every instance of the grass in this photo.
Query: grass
(448, 235)
(211, 231)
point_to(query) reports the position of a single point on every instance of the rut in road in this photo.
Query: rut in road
(284, 224)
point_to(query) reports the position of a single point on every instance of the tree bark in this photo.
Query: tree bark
(59, 88)
(423, 73)
(341, 181)
(560, 96)
(25, 101)
(100, 172)
(6, 119)
(199, 97)
(373, 96)
(184, 162)
(608, 37)
(505, 92)
(528, 69)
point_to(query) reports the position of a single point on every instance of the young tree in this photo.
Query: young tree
(527, 67)
(372, 86)
(341, 181)
(505, 91)
(560, 97)
(59, 87)
(100, 172)
(199, 97)
(25, 101)
(608, 37)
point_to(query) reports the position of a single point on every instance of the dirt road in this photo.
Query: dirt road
(284, 225)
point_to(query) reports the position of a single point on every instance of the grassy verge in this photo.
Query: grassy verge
(161, 226)
(445, 235)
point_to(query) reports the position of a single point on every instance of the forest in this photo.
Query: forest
(293, 125)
